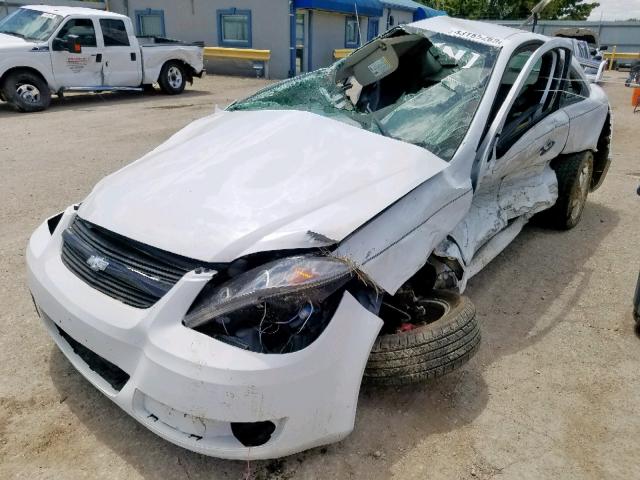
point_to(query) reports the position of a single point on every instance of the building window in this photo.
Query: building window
(234, 28)
(374, 28)
(114, 33)
(352, 33)
(150, 23)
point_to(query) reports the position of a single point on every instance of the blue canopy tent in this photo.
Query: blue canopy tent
(420, 11)
(427, 12)
(366, 8)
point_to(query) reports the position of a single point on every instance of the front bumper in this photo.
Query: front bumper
(189, 388)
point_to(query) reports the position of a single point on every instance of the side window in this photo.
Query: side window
(575, 89)
(511, 72)
(114, 33)
(82, 28)
(537, 99)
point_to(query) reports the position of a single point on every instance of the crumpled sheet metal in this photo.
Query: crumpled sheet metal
(392, 247)
(485, 231)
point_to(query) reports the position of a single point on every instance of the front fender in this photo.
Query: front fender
(40, 61)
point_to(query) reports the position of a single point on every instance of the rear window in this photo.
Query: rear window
(114, 33)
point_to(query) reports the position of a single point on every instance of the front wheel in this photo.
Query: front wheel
(26, 92)
(443, 336)
(173, 78)
(574, 174)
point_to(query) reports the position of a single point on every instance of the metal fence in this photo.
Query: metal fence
(625, 36)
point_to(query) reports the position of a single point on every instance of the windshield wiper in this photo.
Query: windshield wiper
(15, 34)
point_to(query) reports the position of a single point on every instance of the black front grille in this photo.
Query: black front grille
(136, 274)
(113, 375)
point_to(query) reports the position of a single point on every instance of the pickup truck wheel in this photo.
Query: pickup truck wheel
(444, 339)
(574, 174)
(173, 78)
(26, 92)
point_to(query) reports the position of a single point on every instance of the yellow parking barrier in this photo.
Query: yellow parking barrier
(250, 54)
(342, 53)
(614, 55)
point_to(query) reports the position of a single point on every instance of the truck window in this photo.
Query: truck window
(81, 27)
(114, 33)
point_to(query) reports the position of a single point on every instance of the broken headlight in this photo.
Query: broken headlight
(280, 307)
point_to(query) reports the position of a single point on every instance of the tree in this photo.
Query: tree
(513, 9)
(568, 10)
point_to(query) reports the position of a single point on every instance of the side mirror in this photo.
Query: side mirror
(71, 44)
(604, 48)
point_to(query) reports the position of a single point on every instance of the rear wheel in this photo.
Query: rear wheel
(173, 78)
(26, 92)
(444, 337)
(574, 174)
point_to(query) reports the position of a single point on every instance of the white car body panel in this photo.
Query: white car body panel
(240, 183)
(116, 70)
(214, 195)
(212, 381)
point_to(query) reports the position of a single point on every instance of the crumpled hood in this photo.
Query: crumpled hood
(236, 183)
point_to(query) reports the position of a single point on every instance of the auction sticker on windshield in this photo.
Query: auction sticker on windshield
(476, 37)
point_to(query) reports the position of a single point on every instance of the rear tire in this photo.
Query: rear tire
(26, 92)
(173, 78)
(428, 351)
(574, 174)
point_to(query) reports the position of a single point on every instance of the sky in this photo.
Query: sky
(616, 10)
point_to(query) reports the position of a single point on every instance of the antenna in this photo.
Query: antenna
(535, 13)
(355, 6)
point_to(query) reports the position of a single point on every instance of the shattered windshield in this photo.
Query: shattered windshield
(30, 24)
(421, 88)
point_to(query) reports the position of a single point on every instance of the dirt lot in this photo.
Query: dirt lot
(553, 392)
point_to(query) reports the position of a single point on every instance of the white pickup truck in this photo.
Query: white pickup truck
(45, 50)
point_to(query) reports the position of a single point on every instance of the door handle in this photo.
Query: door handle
(547, 146)
(98, 57)
(133, 56)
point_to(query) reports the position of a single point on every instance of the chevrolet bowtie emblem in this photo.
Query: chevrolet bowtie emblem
(97, 264)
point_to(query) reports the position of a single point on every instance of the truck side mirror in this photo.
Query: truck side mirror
(71, 44)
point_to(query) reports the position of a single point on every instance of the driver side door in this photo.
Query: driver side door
(78, 69)
(527, 129)
(530, 129)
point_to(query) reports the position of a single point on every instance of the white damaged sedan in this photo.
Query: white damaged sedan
(230, 289)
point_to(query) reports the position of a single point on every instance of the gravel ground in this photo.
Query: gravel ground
(552, 393)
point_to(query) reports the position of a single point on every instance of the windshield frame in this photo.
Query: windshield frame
(46, 35)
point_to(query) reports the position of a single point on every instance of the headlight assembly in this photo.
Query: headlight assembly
(280, 307)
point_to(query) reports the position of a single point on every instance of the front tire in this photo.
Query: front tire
(173, 78)
(574, 173)
(26, 92)
(445, 339)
